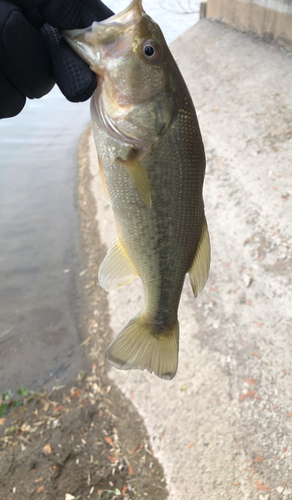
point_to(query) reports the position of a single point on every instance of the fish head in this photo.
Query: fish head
(129, 52)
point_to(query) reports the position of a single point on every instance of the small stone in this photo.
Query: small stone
(247, 279)
(287, 492)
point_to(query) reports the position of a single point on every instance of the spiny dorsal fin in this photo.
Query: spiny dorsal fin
(199, 270)
(117, 268)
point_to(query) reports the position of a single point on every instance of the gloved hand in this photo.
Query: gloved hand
(33, 56)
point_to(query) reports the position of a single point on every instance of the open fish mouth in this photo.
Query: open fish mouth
(113, 36)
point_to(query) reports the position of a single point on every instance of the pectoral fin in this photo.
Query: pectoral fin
(138, 176)
(199, 270)
(116, 269)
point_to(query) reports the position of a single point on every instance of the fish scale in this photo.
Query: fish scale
(152, 161)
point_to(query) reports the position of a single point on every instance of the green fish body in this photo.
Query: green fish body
(152, 162)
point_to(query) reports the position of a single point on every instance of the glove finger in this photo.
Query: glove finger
(24, 57)
(69, 14)
(74, 77)
(74, 13)
(11, 100)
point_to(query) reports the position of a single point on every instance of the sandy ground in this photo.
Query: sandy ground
(223, 427)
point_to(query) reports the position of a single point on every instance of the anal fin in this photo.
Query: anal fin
(116, 269)
(199, 270)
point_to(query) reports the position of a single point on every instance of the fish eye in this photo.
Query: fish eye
(150, 50)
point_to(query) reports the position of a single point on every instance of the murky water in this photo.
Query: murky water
(39, 256)
(38, 242)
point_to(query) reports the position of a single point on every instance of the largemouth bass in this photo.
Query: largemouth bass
(152, 163)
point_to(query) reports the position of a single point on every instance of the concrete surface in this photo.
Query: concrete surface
(223, 427)
(270, 19)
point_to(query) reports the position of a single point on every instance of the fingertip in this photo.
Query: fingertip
(72, 74)
(11, 100)
(83, 93)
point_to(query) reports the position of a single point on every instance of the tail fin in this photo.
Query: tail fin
(138, 346)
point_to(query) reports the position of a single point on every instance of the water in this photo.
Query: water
(39, 246)
(39, 255)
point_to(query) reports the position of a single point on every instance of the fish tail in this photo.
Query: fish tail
(139, 345)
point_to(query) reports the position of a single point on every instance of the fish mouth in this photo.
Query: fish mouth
(105, 38)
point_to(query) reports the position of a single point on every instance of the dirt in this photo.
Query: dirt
(72, 442)
(85, 440)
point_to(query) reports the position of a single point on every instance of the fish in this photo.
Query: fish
(152, 164)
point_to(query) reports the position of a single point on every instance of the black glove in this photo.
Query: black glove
(33, 56)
